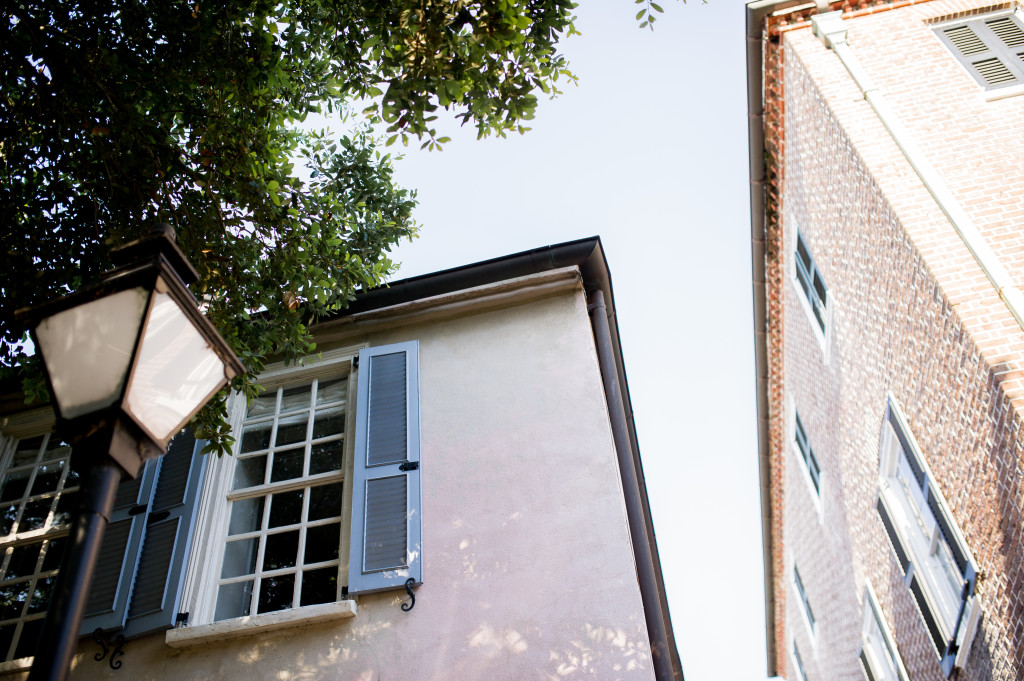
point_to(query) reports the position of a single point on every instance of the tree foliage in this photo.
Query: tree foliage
(117, 115)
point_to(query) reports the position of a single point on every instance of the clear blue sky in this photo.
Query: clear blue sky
(649, 151)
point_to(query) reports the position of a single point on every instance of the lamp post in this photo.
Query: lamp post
(129, 360)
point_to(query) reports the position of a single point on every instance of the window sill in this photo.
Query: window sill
(15, 666)
(185, 637)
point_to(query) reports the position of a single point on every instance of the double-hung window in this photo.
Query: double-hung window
(798, 664)
(991, 48)
(938, 567)
(135, 589)
(811, 465)
(805, 604)
(322, 496)
(811, 283)
(297, 518)
(878, 654)
(37, 495)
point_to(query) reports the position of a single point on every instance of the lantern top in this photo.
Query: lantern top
(160, 242)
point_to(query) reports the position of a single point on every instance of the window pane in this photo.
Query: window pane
(35, 514)
(326, 457)
(15, 485)
(246, 516)
(322, 543)
(239, 558)
(329, 422)
(256, 437)
(12, 599)
(41, 595)
(54, 554)
(286, 508)
(288, 465)
(27, 451)
(66, 505)
(319, 586)
(263, 405)
(233, 600)
(249, 472)
(330, 391)
(47, 478)
(325, 501)
(276, 593)
(29, 638)
(8, 514)
(23, 561)
(282, 550)
(291, 429)
(295, 398)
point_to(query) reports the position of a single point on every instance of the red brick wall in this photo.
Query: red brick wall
(911, 314)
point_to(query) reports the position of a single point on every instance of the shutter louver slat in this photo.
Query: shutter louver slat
(993, 71)
(966, 40)
(103, 593)
(174, 470)
(1007, 31)
(386, 520)
(387, 437)
(156, 558)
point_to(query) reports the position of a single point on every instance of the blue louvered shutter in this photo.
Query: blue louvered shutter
(107, 606)
(386, 547)
(170, 526)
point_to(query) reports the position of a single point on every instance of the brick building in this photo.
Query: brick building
(887, 152)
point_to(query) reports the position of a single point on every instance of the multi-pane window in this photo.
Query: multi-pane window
(38, 493)
(802, 593)
(807, 454)
(938, 568)
(991, 48)
(284, 524)
(811, 283)
(878, 653)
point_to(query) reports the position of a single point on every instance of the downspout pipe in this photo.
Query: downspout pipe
(642, 550)
(831, 29)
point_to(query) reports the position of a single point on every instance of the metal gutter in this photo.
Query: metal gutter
(588, 256)
(756, 13)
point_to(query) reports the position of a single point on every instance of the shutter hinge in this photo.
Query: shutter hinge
(409, 466)
(181, 620)
(355, 362)
(157, 517)
(136, 510)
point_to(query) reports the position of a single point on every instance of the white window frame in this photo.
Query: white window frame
(879, 653)
(805, 606)
(805, 458)
(924, 535)
(823, 335)
(36, 423)
(205, 566)
(798, 662)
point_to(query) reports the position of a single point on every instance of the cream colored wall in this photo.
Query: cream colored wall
(528, 572)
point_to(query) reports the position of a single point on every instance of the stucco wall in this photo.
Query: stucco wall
(528, 570)
(911, 313)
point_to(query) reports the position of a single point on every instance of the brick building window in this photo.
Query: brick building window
(878, 654)
(802, 593)
(991, 48)
(798, 664)
(811, 283)
(807, 455)
(938, 567)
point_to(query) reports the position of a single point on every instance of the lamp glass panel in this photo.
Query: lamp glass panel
(176, 371)
(88, 350)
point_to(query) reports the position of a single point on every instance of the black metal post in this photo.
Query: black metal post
(59, 637)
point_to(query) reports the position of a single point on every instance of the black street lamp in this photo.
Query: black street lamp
(129, 360)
